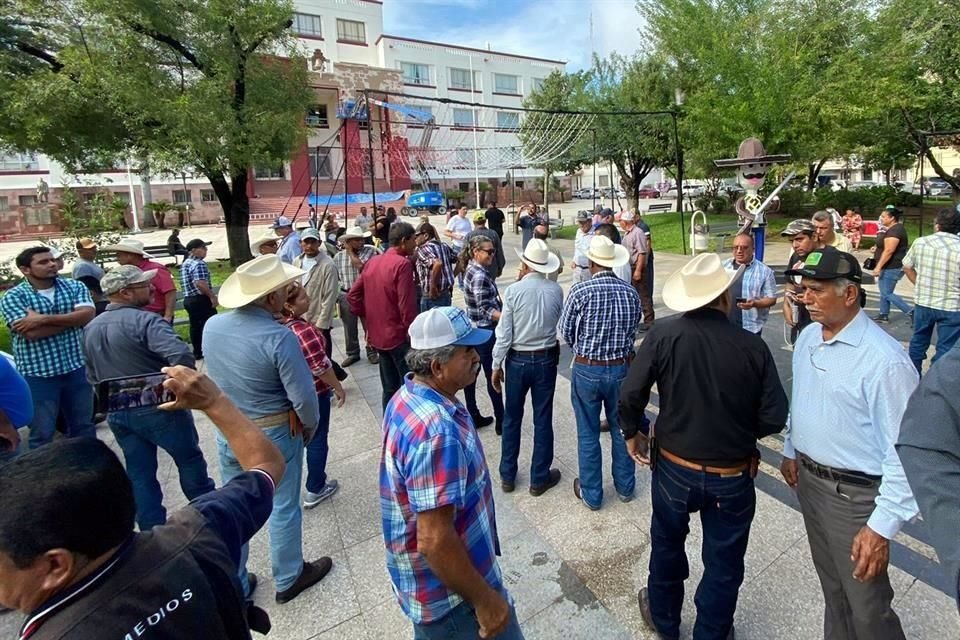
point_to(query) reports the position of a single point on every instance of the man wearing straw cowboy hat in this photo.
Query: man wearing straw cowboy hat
(527, 343)
(258, 364)
(164, 301)
(350, 262)
(719, 393)
(264, 245)
(599, 321)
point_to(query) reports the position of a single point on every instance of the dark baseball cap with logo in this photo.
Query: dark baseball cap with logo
(829, 265)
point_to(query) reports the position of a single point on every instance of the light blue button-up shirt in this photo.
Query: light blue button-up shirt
(289, 247)
(259, 365)
(849, 395)
(528, 320)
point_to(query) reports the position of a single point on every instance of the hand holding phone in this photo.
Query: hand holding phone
(191, 389)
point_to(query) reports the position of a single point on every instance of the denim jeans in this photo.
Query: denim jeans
(442, 300)
(319, 447)
(535, 374)
(485, 351)
(594, 387)
(924, 320)
(139, 432)
(393, 367)
(887, 282)
(286, 520)
(69, 393)
(726, 507)
(461, 624)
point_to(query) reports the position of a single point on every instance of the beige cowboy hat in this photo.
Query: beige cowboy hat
(256, 279)
(355, 233)
(538, 257)
(607, 254)
(264, 239)
(697, 283)
(128, 245)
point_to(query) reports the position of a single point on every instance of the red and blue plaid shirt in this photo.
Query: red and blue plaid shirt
(432, 457)
(311, 343)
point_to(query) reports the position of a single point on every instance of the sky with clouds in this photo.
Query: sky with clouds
(553, 29)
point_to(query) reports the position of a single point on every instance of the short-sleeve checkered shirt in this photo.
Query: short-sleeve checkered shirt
(345, 269)
(936, 259)
(600, 317)
(57, 354)
(432, 457)
(758, 281)
(193, 269)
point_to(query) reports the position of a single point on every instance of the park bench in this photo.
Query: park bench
(660, 207)
(155, 251)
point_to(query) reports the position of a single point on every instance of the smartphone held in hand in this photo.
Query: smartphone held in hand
(134, 392)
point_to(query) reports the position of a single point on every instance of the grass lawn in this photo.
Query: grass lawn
(219, 271)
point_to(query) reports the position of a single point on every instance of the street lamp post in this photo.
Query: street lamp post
(186, 197)
(675, 113)
(133, 200)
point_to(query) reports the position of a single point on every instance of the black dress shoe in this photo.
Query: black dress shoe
(313, 572)
(507, 487)
(480, 421)
(350, 360)
(252, 581)
(499, 427)
(553, 481)
(643, 599)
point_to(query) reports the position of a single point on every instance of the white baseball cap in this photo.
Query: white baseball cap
(445, 327)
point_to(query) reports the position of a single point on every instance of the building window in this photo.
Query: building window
(307, 25)
(508, 120)
(460, 79)
(269, 173)
(122, 196)
(4, 203)
(320, 163)
(503, 83)
(425, 113)
(351, 31)
(867, 175)
(536, 83)
(519, 184)
(19, 162)
(604, 181)
(27, 201)
(208, 196)
(415, 73)
(317, 116)
(463, 118)
(182, 197)
(463, 186)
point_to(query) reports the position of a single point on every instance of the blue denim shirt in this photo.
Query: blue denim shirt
(259, 365)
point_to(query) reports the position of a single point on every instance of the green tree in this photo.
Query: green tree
(193, 84)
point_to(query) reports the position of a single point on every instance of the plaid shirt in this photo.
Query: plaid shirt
(936, 259)
(345, 269)
(758, 281)
(427, 254)
(600, 317)
(311, 343)
(193, 269)
(432, 457)
(57, 354)
(481, 295)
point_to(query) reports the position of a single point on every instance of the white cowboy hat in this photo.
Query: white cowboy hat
(256, 279)
(354, 233)
(607, 254)
(265, 238)
(538, 257)
(128, 245)
(697, 283)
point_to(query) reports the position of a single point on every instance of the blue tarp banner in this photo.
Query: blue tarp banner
(355, 198)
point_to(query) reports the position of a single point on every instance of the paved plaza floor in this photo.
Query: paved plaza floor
(574, 573)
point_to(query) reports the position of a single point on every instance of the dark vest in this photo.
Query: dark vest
(177, 582)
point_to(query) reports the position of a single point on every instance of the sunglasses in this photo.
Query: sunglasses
(489, 252)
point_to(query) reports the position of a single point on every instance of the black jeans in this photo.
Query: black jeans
(393, 368)
(485, 351)
(338, 371)
(200, 309)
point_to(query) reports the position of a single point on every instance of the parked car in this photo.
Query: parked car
(689, 191)
(648, 191)
(938, 188)
(586, 193)
(610, 192)
(862, 184)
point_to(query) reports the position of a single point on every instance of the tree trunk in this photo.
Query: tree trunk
(236, 213)
(813, 172)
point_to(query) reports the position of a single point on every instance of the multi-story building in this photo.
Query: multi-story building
(348, 53)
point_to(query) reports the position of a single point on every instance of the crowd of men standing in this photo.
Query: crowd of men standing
(275, 383)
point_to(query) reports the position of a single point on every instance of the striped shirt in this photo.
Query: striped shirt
(481, 295)
(600, 317)
(57, 354)
(432, 458)
(193, 269)
(346, 270)
(849, 396)
(936, 259)
(758, 281)
(427, 254)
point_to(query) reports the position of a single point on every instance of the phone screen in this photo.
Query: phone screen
(119, 394)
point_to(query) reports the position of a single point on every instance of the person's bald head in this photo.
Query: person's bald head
(541, 232)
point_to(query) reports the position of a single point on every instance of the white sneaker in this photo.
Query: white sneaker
(313, 499)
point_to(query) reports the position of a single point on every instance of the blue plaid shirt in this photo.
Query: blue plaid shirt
(758, 281)
(600, 317)
(193, 269)
(432, 457)
(57, 354)
(481, 295)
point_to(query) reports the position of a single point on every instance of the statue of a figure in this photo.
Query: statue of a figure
(43, 191)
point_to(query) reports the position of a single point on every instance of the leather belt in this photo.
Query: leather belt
(272, 420)
(601, 363)
(533, 352)
(856, 478)
(696, 466)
